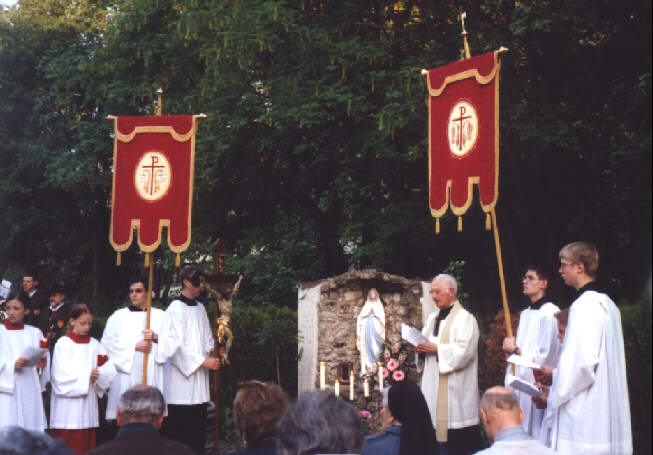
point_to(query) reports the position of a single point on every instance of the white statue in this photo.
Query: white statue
(370, 331)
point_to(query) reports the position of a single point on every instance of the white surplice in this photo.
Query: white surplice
(123, 330)
(74, 400)
(21, 402)
(536, 338)
(186, 340)
(592, 412)
(459, 360)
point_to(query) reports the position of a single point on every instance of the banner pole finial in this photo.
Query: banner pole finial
(159, 105)
(467, 54)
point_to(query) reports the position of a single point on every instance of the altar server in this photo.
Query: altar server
(590, 393)
(186, 340)
(78, 380)
(450, 377)
(536, 342)
(21, 385)
(127, 341)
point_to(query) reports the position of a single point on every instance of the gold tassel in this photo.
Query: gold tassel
(437, 225)
(460, 224)
(487, 222)
(147, 260)
(178, 260)
(118, 258)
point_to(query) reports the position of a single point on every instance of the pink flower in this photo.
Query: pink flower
(385, 373)
(398, 375)
(365, 414)
(396, 348)
(392, 364)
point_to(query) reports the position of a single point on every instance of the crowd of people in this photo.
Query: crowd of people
(565, 387)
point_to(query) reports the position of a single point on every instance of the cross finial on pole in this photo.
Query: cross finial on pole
(462, 16)
(159, 106)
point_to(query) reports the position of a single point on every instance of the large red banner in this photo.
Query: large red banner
(153, 180)
(464, 134)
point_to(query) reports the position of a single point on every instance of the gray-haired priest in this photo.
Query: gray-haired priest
(450, 376)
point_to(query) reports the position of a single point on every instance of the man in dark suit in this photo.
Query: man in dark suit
(58, 314)
(36, 301)
(140, 415)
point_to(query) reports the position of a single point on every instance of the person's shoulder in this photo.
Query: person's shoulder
(549, 308)
(385, 443)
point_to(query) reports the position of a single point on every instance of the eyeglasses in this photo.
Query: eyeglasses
(564, 265)
(136, 291)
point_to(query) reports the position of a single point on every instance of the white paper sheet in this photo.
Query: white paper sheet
(412, 335)
(523, 386)
(33, 355)
(522, 362)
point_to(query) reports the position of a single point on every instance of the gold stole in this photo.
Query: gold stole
(442, 407)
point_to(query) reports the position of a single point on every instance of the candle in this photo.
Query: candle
(380, 365)
(337, 388)
(102, 359)
(322, 376)
(366, 388)
(351, 386)
(43, 343)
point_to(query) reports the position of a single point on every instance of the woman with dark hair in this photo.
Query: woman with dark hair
(410, 430)
(257, 408)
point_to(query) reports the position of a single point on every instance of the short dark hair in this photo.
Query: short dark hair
(15, 440)
(193, 273)
(258, 407)
(541, 272)
(320, 422)
(58, 288)
(30, 273)
(138, 279)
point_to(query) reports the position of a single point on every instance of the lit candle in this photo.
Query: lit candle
(322, 376)
(337, 388)
(380, 365)
(351, 386)
(366, 388)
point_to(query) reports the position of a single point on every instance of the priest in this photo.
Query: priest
(536, 342)
(450, 370)
(590, 396)
(127, 341)
(186, 340)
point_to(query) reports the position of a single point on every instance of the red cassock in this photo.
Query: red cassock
(153, 180)
(464, 134)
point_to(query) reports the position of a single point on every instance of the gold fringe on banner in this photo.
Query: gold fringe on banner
(487, 222)
(178, 260)
(460, 224)
(437, 225)
(118, 258)
(147, 260)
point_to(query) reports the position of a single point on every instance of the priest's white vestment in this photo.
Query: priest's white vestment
(186, 340)
(123, 330)
(74, 399)
(536, 338)
(21, 402)
(457, 359)
(591, 397)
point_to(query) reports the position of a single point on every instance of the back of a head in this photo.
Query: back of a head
(258, 407)
(320, 422)
(15, 440)
(408, 405)
(502, 409)
(141, 403)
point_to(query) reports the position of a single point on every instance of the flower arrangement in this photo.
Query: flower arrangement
(394, 358)
(365, 416)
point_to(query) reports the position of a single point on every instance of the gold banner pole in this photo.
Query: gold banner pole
(150, 260)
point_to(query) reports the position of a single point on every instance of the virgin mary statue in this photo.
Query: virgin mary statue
(370, 331)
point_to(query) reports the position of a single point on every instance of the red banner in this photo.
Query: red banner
(464, 134)
(153, 160)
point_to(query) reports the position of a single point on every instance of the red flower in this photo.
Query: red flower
(398, 375)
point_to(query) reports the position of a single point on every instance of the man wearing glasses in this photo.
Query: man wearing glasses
(127, 341)
(590, 393)
(536, 341)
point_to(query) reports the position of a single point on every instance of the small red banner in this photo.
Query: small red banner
(153, 180)
(464, 134)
